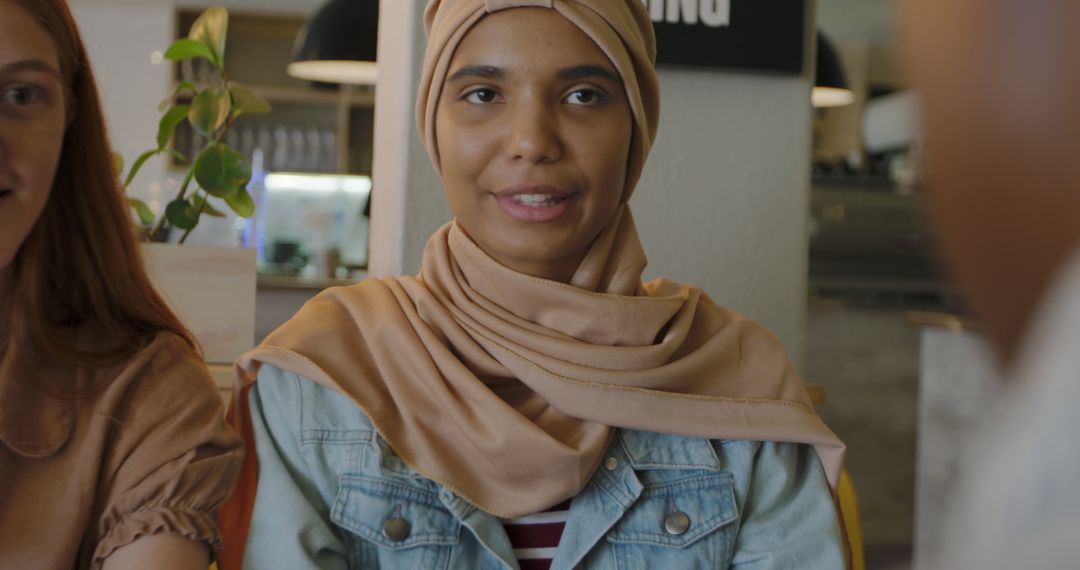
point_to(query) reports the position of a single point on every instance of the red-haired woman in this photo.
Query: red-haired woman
(113, 452)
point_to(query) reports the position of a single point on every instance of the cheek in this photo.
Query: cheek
(33, 161)
(36, 153)
(605, 153)
(465, 153)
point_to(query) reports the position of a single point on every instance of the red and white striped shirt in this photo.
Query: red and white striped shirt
(535, 537)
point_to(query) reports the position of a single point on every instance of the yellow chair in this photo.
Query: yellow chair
(848, 499)
(849, 509)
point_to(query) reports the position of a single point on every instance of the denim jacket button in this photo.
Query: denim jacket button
(611, 463)
(676, 523)
(396, 529)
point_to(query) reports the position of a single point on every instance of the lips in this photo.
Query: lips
(535, 202)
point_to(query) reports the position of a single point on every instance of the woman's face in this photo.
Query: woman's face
(533, 129)
(32, 125)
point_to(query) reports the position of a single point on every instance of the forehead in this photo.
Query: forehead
(533, 37)
(22, 38)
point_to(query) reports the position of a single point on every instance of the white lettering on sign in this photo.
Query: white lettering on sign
(712, 13)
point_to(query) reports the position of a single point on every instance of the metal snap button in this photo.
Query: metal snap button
(611, 463)
(396, 529)
(676, 523)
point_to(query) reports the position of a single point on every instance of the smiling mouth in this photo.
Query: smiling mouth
(535, 202)
(539, 200)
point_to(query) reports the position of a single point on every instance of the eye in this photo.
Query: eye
(585, 97)
(22, 95)
(482, 96)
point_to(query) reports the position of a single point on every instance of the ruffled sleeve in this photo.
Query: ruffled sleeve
(169, 458)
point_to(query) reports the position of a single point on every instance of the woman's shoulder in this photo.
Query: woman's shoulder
(654, 450)
(166, 377)
(305, 403)
(167, 361)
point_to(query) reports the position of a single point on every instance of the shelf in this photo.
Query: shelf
(279, 281)
(291, 95)
(260, 47)
(949, 321)
(307, 97)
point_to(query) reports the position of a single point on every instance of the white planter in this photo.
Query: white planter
(212, 289)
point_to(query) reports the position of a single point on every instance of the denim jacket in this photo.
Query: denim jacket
(328, 485)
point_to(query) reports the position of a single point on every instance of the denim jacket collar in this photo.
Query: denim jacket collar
(649, 450)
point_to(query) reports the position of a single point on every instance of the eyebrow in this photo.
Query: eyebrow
(31, 65)
(492, 73)
(488, 72)
(588, 72)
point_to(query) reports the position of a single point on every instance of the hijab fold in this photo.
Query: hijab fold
(506, 388)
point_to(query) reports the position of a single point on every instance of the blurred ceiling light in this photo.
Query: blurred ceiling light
(830, 83)
(338, 44)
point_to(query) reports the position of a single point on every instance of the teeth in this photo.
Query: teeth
(536, 200)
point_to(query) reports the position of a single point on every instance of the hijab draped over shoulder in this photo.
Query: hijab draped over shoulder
(506, 388)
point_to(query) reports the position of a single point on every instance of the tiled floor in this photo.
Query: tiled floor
(867, 360)
(888, 557)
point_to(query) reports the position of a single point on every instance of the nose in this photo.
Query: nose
(534, 134)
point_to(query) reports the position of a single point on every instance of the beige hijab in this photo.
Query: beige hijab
(506, 388)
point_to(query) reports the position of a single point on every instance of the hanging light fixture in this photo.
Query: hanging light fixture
(830, 84)
(338, 44)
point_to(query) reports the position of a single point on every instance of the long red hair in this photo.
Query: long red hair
(81, 264)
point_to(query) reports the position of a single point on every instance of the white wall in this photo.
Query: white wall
(722, 203)
(407, 203)
(724, 197)
(120, 38)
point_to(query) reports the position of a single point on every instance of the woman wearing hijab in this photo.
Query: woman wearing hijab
(527, 401)
(113, 450)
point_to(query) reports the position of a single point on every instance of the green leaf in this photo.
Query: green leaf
(168, 123)
(199, 201)
(245, 100)
(241, 203)
(221, 171)
(118, 163)
(186, 48)
(139, 162)
(209, 110)
(183, 85)
(211, 28)
(181, 158)
(146, 217)
(182, 214)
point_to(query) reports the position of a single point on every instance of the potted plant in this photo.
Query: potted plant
(211, 288)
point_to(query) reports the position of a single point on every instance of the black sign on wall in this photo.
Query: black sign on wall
(759, 35)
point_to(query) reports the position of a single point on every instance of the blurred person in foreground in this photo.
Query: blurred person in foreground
(1000, 89)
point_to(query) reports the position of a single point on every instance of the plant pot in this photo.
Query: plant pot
(212, 290)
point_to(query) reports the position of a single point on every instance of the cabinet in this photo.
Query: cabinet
(307, 222)
(312, 128)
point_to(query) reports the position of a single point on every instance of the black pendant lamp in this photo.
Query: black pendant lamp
(830, 84)
(338, 44)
